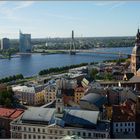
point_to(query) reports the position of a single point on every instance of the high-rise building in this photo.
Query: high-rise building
(5, 43)
(25, 43)
(135, 56)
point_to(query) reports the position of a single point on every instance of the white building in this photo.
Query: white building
(55, 123)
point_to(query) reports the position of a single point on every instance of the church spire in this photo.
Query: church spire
(138, 37)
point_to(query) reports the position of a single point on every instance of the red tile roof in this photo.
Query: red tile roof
(10, 113)
(122, 114)
(80, 89)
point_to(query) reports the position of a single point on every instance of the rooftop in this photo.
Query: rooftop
(71, 117)
(122, 114)
(10, 113)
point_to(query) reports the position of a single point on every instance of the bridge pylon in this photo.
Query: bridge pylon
(72, 45)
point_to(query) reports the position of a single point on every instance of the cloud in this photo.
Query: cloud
(63, 17)
(112, 4)
(117, 5)
(22, 5)
(9, 9)
(105, 3)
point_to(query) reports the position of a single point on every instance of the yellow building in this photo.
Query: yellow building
(50, 93)
(39, 98)
(108, 112)
(78, 94)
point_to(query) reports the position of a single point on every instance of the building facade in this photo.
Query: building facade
(55, 123)
(78, 94)
(6, 116)
(5, 43)
(50, 93)
(29, 95)
(135, 56)
(123, 121)
(25, 43)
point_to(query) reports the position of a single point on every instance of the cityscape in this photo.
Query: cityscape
(67, 73)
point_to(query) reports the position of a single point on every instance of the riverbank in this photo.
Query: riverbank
(30, 65)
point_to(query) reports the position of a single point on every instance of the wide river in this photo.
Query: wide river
(31, 64)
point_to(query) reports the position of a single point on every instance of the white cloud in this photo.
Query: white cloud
(63, 17)
(9, 10)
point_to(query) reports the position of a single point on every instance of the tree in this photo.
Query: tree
(7, 102)
(93, 73)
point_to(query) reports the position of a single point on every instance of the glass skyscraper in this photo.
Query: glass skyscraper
(25, 43)
(5, 43)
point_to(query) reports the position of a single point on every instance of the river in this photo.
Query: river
(29, 65)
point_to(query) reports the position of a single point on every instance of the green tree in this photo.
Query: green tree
(93, 73)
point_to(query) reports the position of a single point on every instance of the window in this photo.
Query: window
(132, 129)
(120, 124)
(38, 129)
(43, 130)
(43, 137)
(116, 130)
(78, 133)
(125, 124)
(34, 136)
(89, 134)
(132, 124)
(29, 136)
(24, 128)
(55, 131)
(68, 132)
(25, 136)
(38, 136)
(34, 129)
(121, 130)
(84, 134)
(29, 129)
(61, 132)
(116, 124)
(50, 131)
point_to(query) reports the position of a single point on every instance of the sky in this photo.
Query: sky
(59, 18)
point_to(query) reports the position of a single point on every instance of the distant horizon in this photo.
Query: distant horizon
(70, 37)
(56, 19)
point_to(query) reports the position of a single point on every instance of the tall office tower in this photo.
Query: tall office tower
(5, 43)
(25, 43)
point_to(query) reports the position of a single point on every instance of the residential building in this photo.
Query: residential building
(85, 83)
(6, 116)
(78, 94)
(30, 95)
(56, 123)
(135, 56)
(123, 122)
(138, 117)
(66, 83)
(50, 93)
(5, 43)
(25, 43)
